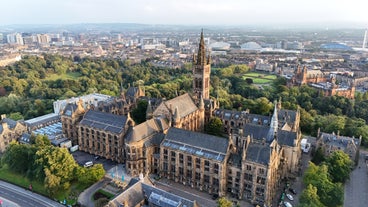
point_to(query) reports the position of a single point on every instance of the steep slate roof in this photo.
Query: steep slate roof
(286, 138)
(69, 109)
(10, 122)
(338, 141)
(105, 121)
(258, 153)
(196, 139)
(256, 131)
(139, 190)
(184, 103)
(288, 116)
(146, 129)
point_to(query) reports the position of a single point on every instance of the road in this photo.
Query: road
(356, 188)
(16, 196)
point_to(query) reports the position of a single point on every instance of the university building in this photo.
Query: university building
(249, 163)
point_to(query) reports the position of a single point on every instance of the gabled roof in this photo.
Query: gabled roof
(258, 153)
(146, 129)
(204, 145)
(256, 131)
(69, 109)
(286, 138)
(183, 103)
(10, 122)
(105, 121)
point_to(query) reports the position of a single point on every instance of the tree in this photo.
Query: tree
(310, 198)
(339, 166)
(223, 202)
(318, 156)
(139, 113)
(214, 126)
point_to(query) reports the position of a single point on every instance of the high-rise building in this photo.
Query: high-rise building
(15, 38)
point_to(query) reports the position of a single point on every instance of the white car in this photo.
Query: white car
(290, 197)
(287, 204)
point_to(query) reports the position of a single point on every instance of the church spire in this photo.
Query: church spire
(274, 125)
(201, 57)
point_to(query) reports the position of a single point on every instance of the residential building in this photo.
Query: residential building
(330, 142)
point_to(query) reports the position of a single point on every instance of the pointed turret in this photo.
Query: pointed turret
(176, 116)
(201, 104)
(149, 111)
(273, 126)
(201, 57)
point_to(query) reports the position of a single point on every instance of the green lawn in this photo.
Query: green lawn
(71, 195)
(260, 78)
(21, 181)
(69, 75)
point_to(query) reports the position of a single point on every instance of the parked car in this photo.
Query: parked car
(290, 197)
(292, 191)
(287, 204)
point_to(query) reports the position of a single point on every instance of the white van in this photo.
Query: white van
(88, 164)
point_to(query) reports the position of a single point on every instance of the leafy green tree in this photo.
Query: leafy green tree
(19, 158)
(16, 116)
(42, 140)
(339, 166)
(318, 156)
(214, 126)
(139, 113)
(90, 175)
(223, 202)
(57, 166)
(310, 198)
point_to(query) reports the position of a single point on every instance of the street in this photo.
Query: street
(356, 188)
(17, 196)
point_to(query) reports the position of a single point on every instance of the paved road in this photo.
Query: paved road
(85, 198)
(16, 196)
(356, 188)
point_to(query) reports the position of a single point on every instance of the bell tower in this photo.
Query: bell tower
(201, 72)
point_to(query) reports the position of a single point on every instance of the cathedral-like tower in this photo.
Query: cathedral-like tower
(201, 72)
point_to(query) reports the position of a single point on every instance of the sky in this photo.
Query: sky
(183, 12)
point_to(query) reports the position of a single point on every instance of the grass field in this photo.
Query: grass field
(21, 181)
(260, 78)
(69, 75)
(71, 196)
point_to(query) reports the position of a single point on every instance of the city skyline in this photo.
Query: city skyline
(204, 12)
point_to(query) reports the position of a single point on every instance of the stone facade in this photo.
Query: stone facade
(333, 142)
(194, 159)
(182, 112)
(10, 130)
(324, 82)
(102, 134)
(142, 146)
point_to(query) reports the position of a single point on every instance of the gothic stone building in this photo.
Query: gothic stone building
(102, 134)
(195, 159)
(9, 130)
(182, 112)
(142, 146)
(333, 142)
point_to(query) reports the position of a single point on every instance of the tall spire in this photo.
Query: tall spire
(274, 125)
(201, 57)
